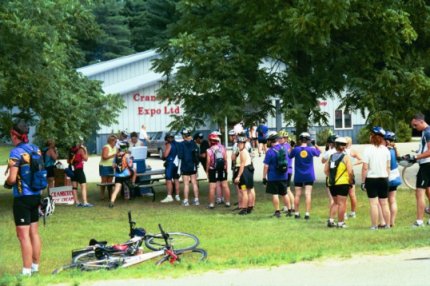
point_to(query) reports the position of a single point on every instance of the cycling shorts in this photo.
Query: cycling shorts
(26, 210)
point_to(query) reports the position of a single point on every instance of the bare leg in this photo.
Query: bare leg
(385, 209)
(23, 233)
(75, 192)
(115, 192)
(84, 192)
(275, 202)
(195, 186)
(226, 191)
(392, 201)
(212, 187)
(374, 212)
(36, 243)
(341, 203)
(308, 194)
(353, 198)
(186, 180)
(298, 191)
(419, 195)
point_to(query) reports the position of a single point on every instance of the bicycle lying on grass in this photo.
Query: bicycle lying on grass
(170, 246)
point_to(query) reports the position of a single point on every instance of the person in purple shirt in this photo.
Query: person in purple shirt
(276, 182)
(289, 198)
(304, 173)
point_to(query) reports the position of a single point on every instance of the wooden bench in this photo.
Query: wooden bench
(156, 178)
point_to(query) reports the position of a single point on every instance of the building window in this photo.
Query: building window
(342, 119)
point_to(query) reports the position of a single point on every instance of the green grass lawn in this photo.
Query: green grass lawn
(4, 153)
(232, 241)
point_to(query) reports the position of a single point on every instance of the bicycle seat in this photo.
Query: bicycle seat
(95, 242)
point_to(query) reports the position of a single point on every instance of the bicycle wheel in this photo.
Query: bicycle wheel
(409, 177)
(65, 267)
(179, 240)
(84, 257)
(187, 256)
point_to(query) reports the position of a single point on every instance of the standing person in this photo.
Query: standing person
(304, 173)
(374, 175)
(78, 155)
(245, 177)
(106, 171)
(123, 166)
(122, 137)
(329, 150)
(189, 156)
(262, 130)
(394, 178)
(134, 140)
(289, 198)
(235, 164)
(353, 154)
(423, 158)
(216, 168)
(275, 175)
(143, 135)
(253, 136)
(338, 169)
(26, 201)
(203, 145)
(171, 164)
(50, 156)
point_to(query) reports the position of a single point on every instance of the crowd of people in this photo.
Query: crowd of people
(288, 171)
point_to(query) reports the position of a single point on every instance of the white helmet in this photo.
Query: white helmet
(47, 207)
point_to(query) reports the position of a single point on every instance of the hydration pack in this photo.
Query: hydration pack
(32, 169)
(281, 160)
(219, 161)
(334, 164)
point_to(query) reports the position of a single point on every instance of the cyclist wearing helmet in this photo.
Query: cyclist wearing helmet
(329, 150)
(216, 168)
(289, 198)
(276, 181)
(354, 155)
(394, 177)
(304, 173)
(171, 163)
(423, 175)
(123, 166)
(244, 177)
(25, 201)
(374, 177)
(77, 156)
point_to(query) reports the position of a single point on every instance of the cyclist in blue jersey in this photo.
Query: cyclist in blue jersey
(394, 176)
(262, 130)
(304, 173)
(171, 163)
(26, 201)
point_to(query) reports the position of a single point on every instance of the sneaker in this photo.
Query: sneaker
(111, 205)
(185, 203)
(427, 210)
(297, 216)
(87, 205)
(167, 199)
(277, 214)
(79, 205)
(352, 215)
(177, 198)
(211, 207)
(243, 212)
(227, 205)
(331, 223)
(416, 224)
(374, 227)
(196, 202)
(249, 209)
(307, 217)
(343, 225)
(289, 213)
(383, 226)
(284, 209)
(218, 201)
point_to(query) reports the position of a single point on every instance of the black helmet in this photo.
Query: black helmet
(305, 136)
(332, 138)
(186, 132)
(198, 135)
(123, 146)
(168, 135)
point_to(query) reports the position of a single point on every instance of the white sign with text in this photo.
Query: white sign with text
(62, 195)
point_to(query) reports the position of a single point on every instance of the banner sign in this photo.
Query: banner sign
(62, 195)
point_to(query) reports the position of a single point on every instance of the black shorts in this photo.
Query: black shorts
(185, 173)
(303, 184)
(247, 179)
(121, 180)
(262, 140)
(217, 176)
(79, 176)
(423, 176)
(377, 188)
(277, 187)
(26, 210)
(50, 171)
(235, 172)
(339, 190)
(392, 189)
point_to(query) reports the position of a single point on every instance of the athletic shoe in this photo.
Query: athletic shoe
(427, 210)
(249, 209)
(78, 205)
(196, 202)
(385, 226)
(277, 214)
(167, 199)
(177, 198)
(111, 205)
(343, 225)
(218, 201)
(211, 207)
(185, 203)
(297, 216)
(289, 213)
(352, 215)
(87, 205)
(331, 223)
(285, 209)
(307, 217)
(227, 205)
(416, 224)
(374, 227)
(243, 212)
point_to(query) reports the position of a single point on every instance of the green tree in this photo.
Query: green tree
(38, 81)
(372, 54)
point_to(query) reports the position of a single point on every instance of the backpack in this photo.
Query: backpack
(333, 170)
(219, 161)
(34, 174)
(281, 161)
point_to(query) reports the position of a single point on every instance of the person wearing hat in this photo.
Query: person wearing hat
(216, 168)
(170, 157)
(289, 200)
(374, 177)
(338, 170)
(26, 201)
(329, 150)
(203, 145)
(123, 166)
(188, 154)
(304, 172)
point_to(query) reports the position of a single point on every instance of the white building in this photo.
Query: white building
(132, 78)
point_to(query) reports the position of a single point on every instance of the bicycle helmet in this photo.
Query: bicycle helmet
(377, 130)
(216, 132)
(282, 133)
(186, 132)
(305, 136)
(124, 133)
(168, 135)
(198, 135)
(123, 146)
(390, 136)
(241, 139)
(272, 136)
(340, 141)
(231, 132)
(332, 138)
(213, 137)
(47, 207)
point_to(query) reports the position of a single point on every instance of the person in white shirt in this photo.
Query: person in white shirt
(143, 135)
(374, 176)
